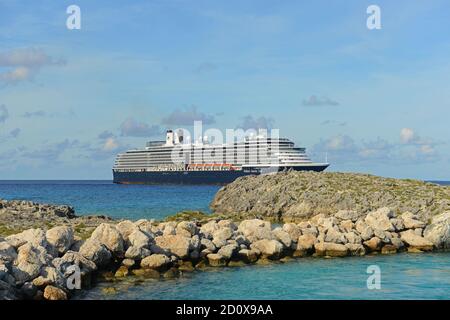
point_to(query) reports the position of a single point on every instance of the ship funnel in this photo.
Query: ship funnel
(169, 138)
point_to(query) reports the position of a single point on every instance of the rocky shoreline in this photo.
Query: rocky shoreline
(36, 264)
(42, 247)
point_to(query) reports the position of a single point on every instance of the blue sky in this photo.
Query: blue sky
(376, 101)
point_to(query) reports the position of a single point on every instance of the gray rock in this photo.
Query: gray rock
(174, 244)
(282, 236)
(137, 253)
(7, 252)
(438, 232)
(155, 261)
(139, 239)
(109, 236)
(256, 229)
(271, 249)
(207, 244)
(61, 238)
(380, 219)
(415, 241)
(412, 221)
(95, 251)
(228, 251)
(35, 237)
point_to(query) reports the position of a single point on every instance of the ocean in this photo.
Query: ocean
(403, 276)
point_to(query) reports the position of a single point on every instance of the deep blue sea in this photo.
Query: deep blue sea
(403, 276)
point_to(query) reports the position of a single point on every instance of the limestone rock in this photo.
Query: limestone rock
(93, 250)
(35, 237)
(137, 253)
(364, 230)
(54, 293)
(61, 238)
(379, 219)
(334, 235)
(256, 229)
(330, 249)
(139, 239)
(29, 262)
(109, 236)
(411, 221)
(71, 258)
(356, 249)
(305, 243)
(271, 249)
(282, 236)
(293, 230)
(186, 228)
(415, 241)
(174, 244)
(249, 256)
(7, 252)
(155, 261)
(438, 232)
(221, 236)
(374, 244)
(126, 228)
(216, 260)
(228, 251)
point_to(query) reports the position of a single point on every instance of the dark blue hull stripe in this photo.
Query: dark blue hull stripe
(190, 177)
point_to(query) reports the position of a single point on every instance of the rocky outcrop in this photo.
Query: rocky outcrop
(38, 264)
(18, 215)
(297, 196)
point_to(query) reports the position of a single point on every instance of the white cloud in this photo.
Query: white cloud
(110, 145)
(407, 135)
(315, 101)
(23, 64)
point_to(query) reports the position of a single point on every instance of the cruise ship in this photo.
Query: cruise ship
(175, 161)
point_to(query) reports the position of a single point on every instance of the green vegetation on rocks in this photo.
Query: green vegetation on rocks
(297, 196)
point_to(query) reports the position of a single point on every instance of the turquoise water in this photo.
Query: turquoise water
(403, 276)
(119, 201)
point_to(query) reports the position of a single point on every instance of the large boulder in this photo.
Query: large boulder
(155, 261)
(271, 249)
(415, 241)
(411, 221)
(95, 251)
(7, 252)
(35, 237)
(249, 256)
(216, 260)
(256, 229)
(438, 231)
(228, 251)
(137, 253)
(186, 228)
(334, 235)
(49, 276)
(61, 238)
(109, 236)
(373, 244)
(29, 262)
(54, 293)
(330, 249)
(173, 244)
(282, 236)
(71, 258)
(208, 228)
(221, 236)
(380, 219)
(293, 230)
(364, 230)
(126, 228)
(139, 239)
(305, 244)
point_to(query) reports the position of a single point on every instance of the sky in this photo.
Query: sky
(374, 101)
